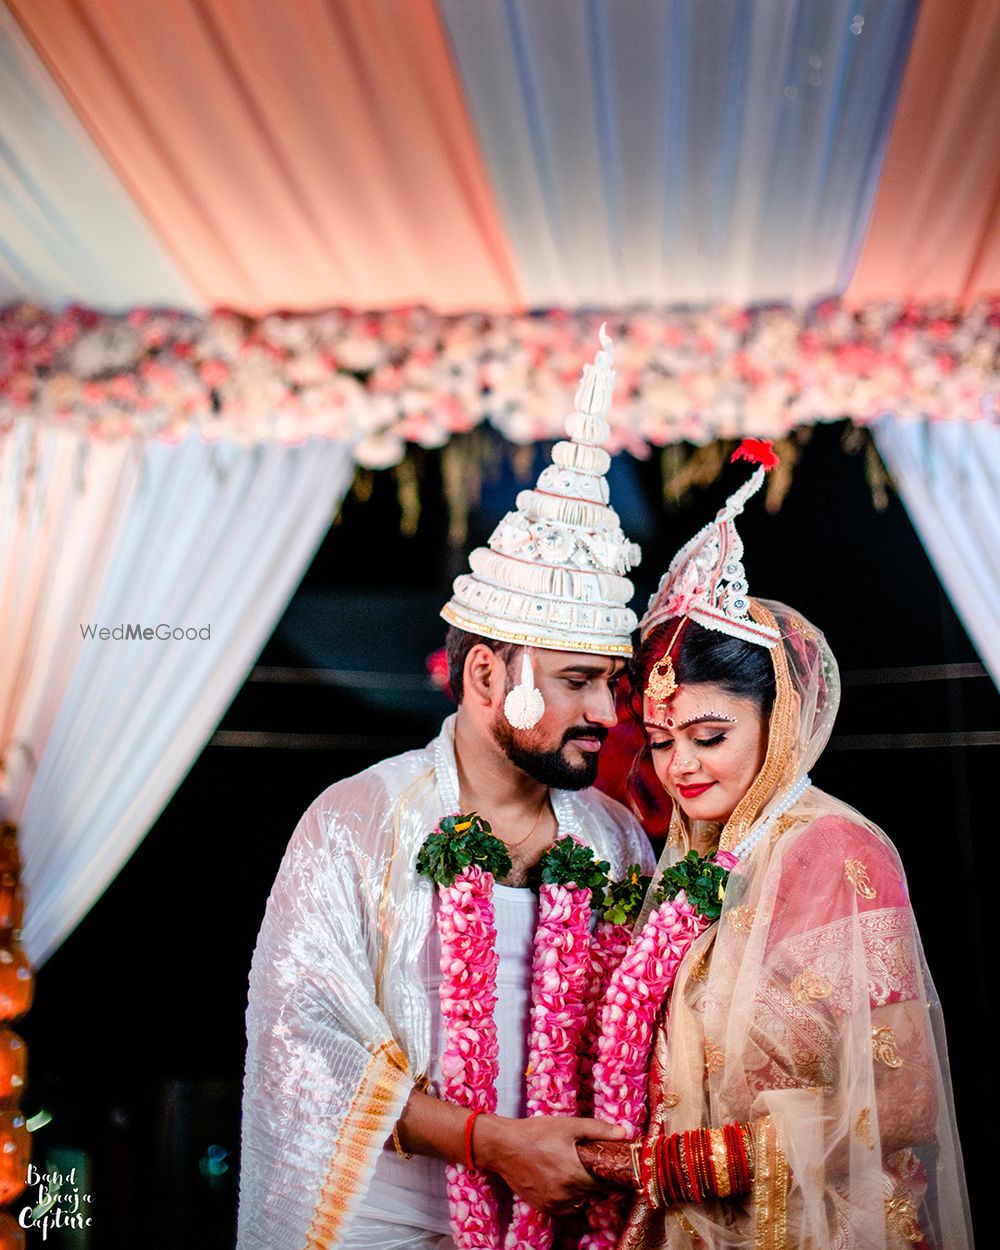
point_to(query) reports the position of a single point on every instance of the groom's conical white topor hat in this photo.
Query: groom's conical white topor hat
(554, 572)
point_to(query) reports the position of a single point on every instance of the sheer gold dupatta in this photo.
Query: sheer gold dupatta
(808, 1010)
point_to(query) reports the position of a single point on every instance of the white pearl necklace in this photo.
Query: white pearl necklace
(791, 798)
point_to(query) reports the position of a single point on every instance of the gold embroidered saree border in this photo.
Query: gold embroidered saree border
(770, 1189)
(361, 1135)
(782, 741)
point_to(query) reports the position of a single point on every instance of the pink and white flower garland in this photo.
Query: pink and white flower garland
(469, 1064)
(560, 981)
(559, 996)
(637, 988)
(608, 945)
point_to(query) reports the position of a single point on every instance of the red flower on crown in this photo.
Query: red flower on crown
(757, 451)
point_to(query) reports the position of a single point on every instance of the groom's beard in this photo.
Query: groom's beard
(551, 768)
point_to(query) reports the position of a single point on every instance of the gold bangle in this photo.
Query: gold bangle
(633, 1150)
(654, 1176)
(720, 1162)
(686, 1168)
(403, 1154)
(698, 1142)
(750, 1144)
(650, 1189)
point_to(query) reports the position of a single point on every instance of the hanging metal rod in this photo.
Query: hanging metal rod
(370, 680)
(395, 743)
(909, 742)
(356, 678)
(913, 672)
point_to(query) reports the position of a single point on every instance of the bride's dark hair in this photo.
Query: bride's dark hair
(743, 669)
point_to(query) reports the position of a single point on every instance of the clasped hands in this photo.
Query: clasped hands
(556, 1163)
(541, 1158)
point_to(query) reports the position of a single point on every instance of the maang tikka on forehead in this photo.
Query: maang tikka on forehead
(662, 683)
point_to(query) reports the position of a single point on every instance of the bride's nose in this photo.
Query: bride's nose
(682, 763)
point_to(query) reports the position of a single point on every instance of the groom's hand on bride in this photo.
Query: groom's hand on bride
(538, 1159)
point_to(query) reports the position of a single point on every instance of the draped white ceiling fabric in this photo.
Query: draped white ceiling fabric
(683, 152)
(69, 232)
(948, 476)
(98, 734)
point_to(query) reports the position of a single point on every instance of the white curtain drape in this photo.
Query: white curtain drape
(97, 734)
(682, 151)
(948, 476)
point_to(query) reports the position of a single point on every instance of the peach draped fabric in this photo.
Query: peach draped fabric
(291, 156)
(935, 228)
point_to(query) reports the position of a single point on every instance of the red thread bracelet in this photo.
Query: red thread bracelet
(470, 1162)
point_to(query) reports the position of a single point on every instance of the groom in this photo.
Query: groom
(344, 1142)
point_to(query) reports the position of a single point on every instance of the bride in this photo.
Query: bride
(798, 1092)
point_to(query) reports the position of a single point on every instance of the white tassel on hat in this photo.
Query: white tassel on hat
(524, 706)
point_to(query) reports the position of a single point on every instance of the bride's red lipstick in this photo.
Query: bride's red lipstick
(692, 792)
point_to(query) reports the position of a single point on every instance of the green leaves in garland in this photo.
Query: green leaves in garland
(624, 898)
(457, 842)
(569, 863)
(701, 880)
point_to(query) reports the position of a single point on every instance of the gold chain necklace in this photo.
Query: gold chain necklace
(513, 846)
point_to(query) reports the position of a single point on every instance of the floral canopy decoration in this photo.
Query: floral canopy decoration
(383, 380)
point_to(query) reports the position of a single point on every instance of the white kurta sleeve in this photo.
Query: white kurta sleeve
(325, 1080)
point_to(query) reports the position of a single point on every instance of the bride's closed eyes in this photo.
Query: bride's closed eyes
(700, 742)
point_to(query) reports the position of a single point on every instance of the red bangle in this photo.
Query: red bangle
(666, 1173)
(694, 1164)
(695, 1149)
(470, 1162)
(732, 1160)
(744, 1165)
(739, 1168)
(675, 1158)
(711, 1189)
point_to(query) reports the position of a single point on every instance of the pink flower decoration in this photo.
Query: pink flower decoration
(469, 1064)
(607, 949)
(560, 985)
(683, 375)
(637, 988)
(214, 373)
